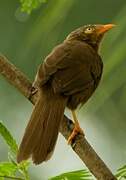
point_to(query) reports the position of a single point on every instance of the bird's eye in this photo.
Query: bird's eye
(88, 30)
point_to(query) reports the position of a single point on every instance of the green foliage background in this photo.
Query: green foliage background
(26, 38)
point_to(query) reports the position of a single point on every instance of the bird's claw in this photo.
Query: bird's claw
(33, 91)
(77, 130)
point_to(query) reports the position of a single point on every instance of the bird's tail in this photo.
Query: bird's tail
(42, 130)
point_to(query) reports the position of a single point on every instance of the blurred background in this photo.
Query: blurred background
(27, 39)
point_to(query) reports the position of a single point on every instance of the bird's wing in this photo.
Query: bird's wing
(50, 65)
(70, 67)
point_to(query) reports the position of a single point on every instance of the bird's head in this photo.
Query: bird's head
(91, 34)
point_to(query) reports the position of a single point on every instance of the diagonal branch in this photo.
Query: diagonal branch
(81, 146)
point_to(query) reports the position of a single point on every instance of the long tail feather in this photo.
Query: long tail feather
(42, 130)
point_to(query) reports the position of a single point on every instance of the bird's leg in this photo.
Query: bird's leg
(76, 129)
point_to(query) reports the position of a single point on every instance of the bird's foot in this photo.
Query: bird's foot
(33, 91)
(77, 130)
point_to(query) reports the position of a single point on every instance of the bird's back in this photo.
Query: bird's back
(77, 71)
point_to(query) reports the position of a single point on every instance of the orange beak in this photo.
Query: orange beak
(101, 29)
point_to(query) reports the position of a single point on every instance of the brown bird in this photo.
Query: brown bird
(67, 78)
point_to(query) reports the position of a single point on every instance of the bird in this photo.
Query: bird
(67, 78)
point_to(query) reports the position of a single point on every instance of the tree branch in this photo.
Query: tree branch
(81, 146)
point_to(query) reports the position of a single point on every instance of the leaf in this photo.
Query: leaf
(7, 169)
(24, 165)
(23, 169)
(74, 175)
(121, 173)
(11, 158)
(8, 138)
(29, 5)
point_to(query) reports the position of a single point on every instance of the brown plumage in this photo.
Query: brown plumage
(67, 78)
